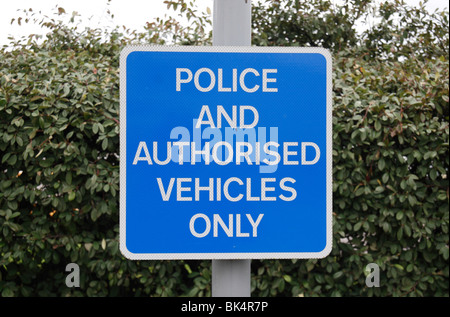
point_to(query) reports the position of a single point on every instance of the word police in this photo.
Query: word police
(185, 76)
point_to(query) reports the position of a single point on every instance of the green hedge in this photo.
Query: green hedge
(59, 186)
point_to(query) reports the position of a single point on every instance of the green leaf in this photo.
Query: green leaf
(72, 196)
(7, 292)
(359, 191)
(69, 178)
(338, 275)
(12, 160)
(105, 144)
(287, 278)
(47, 162)
(398, 266)
(6, 184)
(412, 200)
(379, 189)
(400, 233)
(381, 164)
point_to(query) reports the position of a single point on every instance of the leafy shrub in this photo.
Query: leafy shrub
(59, 141)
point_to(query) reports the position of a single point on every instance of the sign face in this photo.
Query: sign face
(225, 152)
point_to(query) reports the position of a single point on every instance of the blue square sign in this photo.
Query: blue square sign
(225, 152)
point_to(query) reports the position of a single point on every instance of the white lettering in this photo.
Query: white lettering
(289, 189)
(316, 158)
(181, 189)
(137, 157)
(286, 153)
(203, 111)
(242, 80)
(245, 154)
(266, 80)
(222, 112)
(188, 190)
(192, 225)
(225, 189)
(228, 229)
(180, 81)
(184, 76)
(218, 220)
(242, 125)
(254, 224)
(220, 81)
(165, 194)
(212, 79)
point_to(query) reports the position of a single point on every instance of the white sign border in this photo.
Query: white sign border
(237, 255)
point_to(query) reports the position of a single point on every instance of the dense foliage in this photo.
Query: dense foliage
(59, 141)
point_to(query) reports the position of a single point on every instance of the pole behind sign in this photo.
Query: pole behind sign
(231, 27)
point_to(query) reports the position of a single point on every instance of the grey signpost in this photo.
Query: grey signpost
(231, 27)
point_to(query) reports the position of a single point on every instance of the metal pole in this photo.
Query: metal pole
(231, 278)
(232, 23)
(231, 27)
